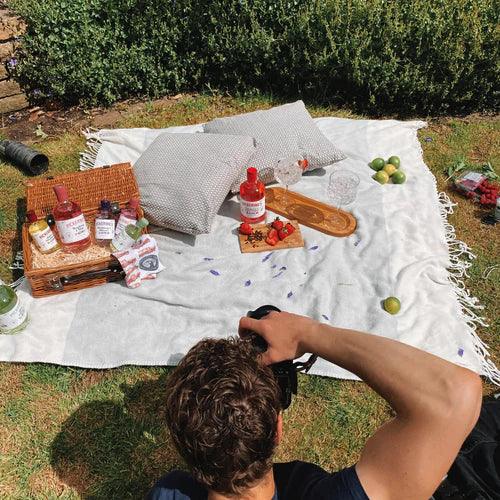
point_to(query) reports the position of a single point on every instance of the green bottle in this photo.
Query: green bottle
(128, 236)
(13, 315)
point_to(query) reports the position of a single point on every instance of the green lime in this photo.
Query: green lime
(398, 177)
(394, 160)
(392, 305)
(377, 164)
(381, 176)
(390, 169)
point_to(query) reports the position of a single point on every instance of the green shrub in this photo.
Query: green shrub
(377, 56)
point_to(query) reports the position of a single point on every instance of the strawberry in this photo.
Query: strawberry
(283, 233)
(271, 241)
(245, 228)
(289, 227)
(277, 224)
(272, 234)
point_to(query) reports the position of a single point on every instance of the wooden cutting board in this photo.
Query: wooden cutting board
(310, 212)
(294, 240)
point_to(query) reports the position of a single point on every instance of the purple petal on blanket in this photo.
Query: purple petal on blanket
(325, 317)
(208, 259)
(268, 256)
(283, 268)
(460, 352)
(289, 294)
(178, 253)
(248, 283)
(315, 247)
(274, 266)
(214, 272)
(278, 275)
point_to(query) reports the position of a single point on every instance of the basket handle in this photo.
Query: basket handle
(59, 282)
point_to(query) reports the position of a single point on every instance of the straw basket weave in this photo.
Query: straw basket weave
(116, 183)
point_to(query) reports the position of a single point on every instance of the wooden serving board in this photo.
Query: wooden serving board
(310, 212)
(294, 240)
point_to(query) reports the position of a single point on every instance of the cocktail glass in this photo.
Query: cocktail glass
(288, 171)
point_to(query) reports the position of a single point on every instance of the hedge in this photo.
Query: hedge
(376, 56)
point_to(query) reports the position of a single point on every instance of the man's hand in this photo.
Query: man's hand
(288, 336)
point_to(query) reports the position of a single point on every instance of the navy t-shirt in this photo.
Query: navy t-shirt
(293, 480)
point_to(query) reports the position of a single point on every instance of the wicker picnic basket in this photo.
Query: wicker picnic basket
(116, 183)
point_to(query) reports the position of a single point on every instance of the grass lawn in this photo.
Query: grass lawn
(71, 433)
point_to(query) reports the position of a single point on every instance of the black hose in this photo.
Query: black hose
(29, 160)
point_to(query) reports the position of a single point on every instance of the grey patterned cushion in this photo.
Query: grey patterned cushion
(184, 178)
(278, 132)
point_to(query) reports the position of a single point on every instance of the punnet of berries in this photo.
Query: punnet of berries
(478, 188)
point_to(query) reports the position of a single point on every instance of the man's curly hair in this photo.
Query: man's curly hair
(222, 412)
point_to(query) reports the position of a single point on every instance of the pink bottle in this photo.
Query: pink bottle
(128, 215)
(70, 222)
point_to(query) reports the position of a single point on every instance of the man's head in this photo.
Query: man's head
(222, 411)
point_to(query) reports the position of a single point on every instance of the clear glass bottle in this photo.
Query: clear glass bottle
(104, 224)
(128, 236)
(41, 234)
(70, 222)
(252, 198)
(13, 315)
(128, 215)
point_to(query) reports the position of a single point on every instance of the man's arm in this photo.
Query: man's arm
(437, 403)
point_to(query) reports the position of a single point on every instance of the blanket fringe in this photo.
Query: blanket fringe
(89, 156)
(18, 282)
(461, 258)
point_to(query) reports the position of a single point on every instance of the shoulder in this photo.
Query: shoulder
(303, 480)
(177, 485)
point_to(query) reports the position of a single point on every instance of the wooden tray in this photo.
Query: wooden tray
(293, 241)
(310, 212)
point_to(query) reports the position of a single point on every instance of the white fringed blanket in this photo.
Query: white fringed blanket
(403, 246)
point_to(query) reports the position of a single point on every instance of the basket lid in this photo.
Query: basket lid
(87, 188)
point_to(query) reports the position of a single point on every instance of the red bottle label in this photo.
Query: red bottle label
(73, 230)
(253, 209)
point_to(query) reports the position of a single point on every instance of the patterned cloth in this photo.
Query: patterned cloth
(184, 178)
(141, 261)
(279, 133)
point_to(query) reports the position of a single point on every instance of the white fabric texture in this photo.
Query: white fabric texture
(184, 178)
(403, 246)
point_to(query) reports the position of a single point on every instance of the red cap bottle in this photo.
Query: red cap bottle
(252, 198)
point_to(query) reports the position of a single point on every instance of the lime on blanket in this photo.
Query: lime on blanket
(377, 164)
(392, 305)
(394, 160)
(398, 177)
(381, 176)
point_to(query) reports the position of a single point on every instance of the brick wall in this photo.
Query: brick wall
(11, 27)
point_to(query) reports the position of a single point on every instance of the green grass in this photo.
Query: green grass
(70, 433)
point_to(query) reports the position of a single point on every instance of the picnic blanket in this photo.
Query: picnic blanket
(403, 247)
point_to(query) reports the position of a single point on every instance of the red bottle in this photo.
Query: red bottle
(128, 215)
(70, 222)
(252, 198)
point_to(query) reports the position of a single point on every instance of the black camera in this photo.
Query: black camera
(284, 371)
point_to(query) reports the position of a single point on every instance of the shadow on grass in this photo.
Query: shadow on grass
(16, 244)
(116, 449)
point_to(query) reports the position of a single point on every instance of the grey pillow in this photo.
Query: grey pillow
(184, 178)
(278, 132)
